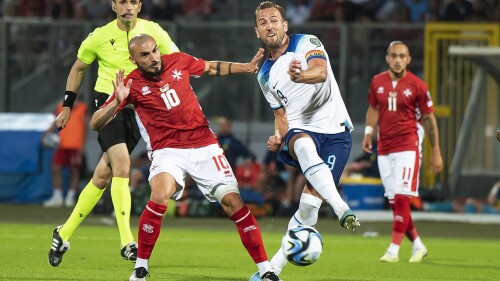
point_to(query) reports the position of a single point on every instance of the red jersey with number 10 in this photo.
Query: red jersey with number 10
(168, 111)
(398, 106)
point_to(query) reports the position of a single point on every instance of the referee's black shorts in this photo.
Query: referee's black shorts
(121, 129)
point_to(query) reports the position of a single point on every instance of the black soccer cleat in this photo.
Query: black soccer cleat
(270, 276)
(129, 252)
(58, 248)
(139, 274)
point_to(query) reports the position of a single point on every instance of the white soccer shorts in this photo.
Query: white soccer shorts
(399, 173)
(206, 165)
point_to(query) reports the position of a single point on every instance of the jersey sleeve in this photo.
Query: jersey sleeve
(195, 66)
(425, 103)
(86, 52)
(165, 43)
(274, 103)
(372, 98)
(311, 47)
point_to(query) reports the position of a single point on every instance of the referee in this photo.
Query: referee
(108, 45)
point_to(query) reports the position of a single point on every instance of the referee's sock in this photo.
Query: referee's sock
(87, 200)
(122, 202)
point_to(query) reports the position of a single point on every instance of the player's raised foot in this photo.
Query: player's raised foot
(349, 220)
(255, 277)
(418, 255)
(270, 276)
(139, 274)
(58, 248)
(389, 257)
(129, 252)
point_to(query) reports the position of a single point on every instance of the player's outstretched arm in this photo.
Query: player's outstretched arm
(219, 68)
(72, 85)
(102, 116)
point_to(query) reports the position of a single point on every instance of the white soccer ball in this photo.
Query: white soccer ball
(302, 245)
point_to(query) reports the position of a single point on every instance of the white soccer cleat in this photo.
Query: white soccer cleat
(418, 255)
(388, 257)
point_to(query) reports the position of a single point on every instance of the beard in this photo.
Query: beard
(151, 74)
(398, 74)
(276, 44)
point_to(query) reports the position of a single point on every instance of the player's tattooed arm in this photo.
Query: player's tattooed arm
(221, 68)
(430, 126)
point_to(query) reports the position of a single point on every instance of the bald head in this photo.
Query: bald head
(139, 39)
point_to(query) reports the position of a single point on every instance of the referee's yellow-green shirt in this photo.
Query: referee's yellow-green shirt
(109, 45)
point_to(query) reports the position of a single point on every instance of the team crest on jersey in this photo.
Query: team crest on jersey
(176, 74)
(315, 41)
(407, 92)
(145, 90)
(380, 90)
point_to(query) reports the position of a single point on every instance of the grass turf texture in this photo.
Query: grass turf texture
(210, 249)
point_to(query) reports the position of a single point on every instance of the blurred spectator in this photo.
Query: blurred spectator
(32, 8)
(435, 11)
(418, 9)
(61, 9)
(10, 8)
(165, 10)
(95, 9)
(234, 150)
(247, 174)
(458, 10)
(69, 153)
(298, 11)
(323, 10)
(365, 165)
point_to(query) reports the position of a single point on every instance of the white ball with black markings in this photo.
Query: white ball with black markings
(302, 245)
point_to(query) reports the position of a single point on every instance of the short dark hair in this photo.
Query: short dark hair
(267, 5)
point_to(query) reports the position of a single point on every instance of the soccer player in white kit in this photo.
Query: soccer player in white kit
(311, 119)
(398, 99)
(179, 143)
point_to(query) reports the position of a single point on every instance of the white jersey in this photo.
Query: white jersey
(314, 107)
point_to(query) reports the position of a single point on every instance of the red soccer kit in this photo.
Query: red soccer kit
(168, 111)
(397, 107)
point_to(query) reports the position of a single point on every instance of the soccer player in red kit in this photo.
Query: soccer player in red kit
(179, 142)
(395, 97)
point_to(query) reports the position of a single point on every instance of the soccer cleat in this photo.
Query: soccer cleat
(139, 274)
(349, 220)
(388, 257)
(270, 276)
(58, 248)
(418, 255)
(129, 252)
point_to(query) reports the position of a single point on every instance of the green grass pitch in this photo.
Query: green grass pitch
(210, 249)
